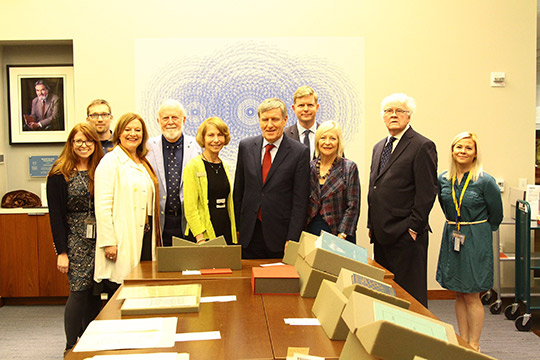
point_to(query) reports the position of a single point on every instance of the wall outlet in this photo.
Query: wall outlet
(500, 182)
(522, 183)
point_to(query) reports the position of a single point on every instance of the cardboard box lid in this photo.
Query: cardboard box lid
(179, 258)
(346, 284)
(219, 241)
(389, 341)
(362, 310)
(291, 252)
(328, 307)
(280, 279)
(330, 262)
(273, 272)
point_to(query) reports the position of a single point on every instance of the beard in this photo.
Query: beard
(172, 134)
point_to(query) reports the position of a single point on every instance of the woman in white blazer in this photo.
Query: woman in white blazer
(125, 202)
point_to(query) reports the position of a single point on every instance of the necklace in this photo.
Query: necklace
(216, 169)
(319, 169)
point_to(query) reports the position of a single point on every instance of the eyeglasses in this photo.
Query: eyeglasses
(95, 116)
(80, 143)
(398, 112)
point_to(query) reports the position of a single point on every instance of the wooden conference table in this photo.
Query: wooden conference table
(251, 327)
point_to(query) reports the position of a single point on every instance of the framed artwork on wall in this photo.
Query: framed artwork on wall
(40, 102)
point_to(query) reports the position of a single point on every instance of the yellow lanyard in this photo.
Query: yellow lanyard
(458, 206)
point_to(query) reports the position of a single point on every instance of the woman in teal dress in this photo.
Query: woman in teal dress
(471, 202)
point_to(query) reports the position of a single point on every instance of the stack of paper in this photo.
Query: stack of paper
(128, 334)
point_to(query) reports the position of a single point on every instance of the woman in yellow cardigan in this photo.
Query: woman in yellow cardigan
(208, 203)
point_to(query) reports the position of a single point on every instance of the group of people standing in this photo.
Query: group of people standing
(110, 212)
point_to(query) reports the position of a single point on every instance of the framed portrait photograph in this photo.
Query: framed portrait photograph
(40, 100)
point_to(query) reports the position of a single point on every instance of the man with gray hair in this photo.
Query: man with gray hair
(402, 188)
(168, 154)
(271, 186)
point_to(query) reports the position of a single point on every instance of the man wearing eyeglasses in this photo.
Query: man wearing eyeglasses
(402, 189)
(305, 106)
(98, 114)
(168, 154)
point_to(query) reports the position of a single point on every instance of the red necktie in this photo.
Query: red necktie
(43, 109)
(267, 163)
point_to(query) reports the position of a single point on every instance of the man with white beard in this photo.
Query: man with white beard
(168, 154)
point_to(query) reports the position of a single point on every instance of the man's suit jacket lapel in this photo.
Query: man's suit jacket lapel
(293, 132)
(401, 146)
(158, 160)
(256, 160)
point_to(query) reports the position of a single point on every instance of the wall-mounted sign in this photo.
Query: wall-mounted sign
(39, 166)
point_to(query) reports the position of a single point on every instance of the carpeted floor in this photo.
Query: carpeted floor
(37, 332)
(500, 339)
(32, 332)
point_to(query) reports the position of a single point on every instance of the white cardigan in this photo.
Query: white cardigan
(121, 208)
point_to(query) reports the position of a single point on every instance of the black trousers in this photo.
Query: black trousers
(172, 227)
(407, 259)
(257, 247)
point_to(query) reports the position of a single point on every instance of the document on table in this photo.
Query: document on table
(128, 334)
(193, 336)
(150, 356)
(224, 298)
(131, 292)
(272, 264)
(302, 321)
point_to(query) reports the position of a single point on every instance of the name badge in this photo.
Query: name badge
(200, 174)
(220, 203)
(90, 225)
(458, 240)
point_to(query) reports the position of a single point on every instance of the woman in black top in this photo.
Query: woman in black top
(208, 203)
(70, 189)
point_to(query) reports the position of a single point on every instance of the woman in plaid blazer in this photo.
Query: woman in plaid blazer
(334, 202)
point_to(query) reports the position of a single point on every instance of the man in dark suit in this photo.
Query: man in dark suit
(306, 105)
(402, 189)
(271, 186)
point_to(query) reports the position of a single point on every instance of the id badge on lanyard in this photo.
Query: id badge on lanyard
(458, 239)
(90, 223)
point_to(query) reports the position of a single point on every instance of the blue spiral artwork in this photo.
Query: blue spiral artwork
(232, 79)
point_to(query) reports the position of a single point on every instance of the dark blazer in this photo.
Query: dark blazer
(282, 199)
(57, 198)
(402, 195)
(338, 200)
(292, 131)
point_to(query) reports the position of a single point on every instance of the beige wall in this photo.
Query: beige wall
(440, 52)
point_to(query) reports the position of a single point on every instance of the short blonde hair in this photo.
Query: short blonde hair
(476, 169)
(325, 127)
(305, 91)
(219, 124)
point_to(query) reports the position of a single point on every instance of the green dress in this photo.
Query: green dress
(471, 269)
